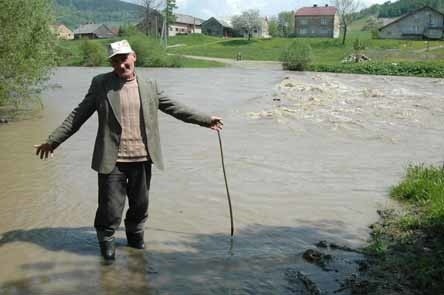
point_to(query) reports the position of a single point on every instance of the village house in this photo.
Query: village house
(217, 27)
(185, 24)
(260, 32)
(317, 21)
(93, 31)
(423, 23)
(62, 32)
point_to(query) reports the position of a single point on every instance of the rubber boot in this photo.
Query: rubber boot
(135, 240)
(108, 249)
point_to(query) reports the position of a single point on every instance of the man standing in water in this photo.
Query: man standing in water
(126, 145)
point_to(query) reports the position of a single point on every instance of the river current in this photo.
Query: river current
(309, 157)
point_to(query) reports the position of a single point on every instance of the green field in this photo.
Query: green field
(70, 54)
(325, 51)
(388, 57)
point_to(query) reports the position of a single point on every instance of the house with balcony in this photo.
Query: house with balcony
(317, 21)
(423, 23)
(185, 24)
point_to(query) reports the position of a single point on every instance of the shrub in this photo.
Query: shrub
(26, 49)
(297, 56)
(150, 53)
(93, 53)
(419, 69)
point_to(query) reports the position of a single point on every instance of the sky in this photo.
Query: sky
(225, 8)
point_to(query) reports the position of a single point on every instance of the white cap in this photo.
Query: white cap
(119, 47)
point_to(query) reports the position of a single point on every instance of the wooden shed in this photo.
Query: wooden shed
(423, 23)
(217, 27)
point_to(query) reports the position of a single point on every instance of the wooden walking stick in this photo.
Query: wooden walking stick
(226, 183)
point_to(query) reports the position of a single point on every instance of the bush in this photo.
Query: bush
(150, 53)
(27, 49)
(297, 56)
(93, 53)
(419, 69)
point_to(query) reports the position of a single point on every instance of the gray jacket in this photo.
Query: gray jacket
(103, 97)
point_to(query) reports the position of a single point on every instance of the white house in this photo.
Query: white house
(185, 24)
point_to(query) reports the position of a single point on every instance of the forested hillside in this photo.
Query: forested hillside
(75, 12)
(398, 8)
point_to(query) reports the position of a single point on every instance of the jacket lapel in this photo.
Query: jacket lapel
(146, 95)
(114, 97)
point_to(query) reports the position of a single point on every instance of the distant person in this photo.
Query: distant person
(126, 145)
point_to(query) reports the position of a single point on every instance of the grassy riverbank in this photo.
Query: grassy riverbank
(71, 53)
(388, 57)
(407, 246)
(325, 50)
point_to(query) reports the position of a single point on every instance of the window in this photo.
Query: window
(304, 21)
(323, 20)
(303, 31)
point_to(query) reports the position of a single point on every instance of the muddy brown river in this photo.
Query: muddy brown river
(309, 157)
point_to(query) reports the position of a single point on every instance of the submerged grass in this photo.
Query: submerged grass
(407, 248)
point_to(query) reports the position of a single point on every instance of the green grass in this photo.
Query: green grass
(197, 63)
(325, 50)
(70, 54)
(327, 53)
(407, 249)
(193, 39)
(423, 187)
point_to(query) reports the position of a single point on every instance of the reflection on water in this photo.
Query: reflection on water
(308, 158)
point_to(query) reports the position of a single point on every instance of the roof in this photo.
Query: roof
(315, 11)
(386, 20)
(409, 14)
(87, 29)
(223, 23)
(188, 19)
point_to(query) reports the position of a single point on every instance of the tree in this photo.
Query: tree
(168, 18)
(247, 22)
(345, 10)
(27, 49)
(169, 13)
(151, 18)
(273, 26)
(297, 56)
(286, 23)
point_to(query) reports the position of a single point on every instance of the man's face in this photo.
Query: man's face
(123, 65)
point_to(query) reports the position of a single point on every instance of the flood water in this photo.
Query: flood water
(309, 157)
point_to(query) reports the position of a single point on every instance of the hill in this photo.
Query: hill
(114, 12)
(398, 8)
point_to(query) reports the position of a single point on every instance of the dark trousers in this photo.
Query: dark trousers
(130, 180)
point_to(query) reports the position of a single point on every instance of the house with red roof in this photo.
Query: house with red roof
(317, 21)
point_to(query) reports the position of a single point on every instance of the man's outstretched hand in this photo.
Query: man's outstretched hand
(44, 150)
(216, 123)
